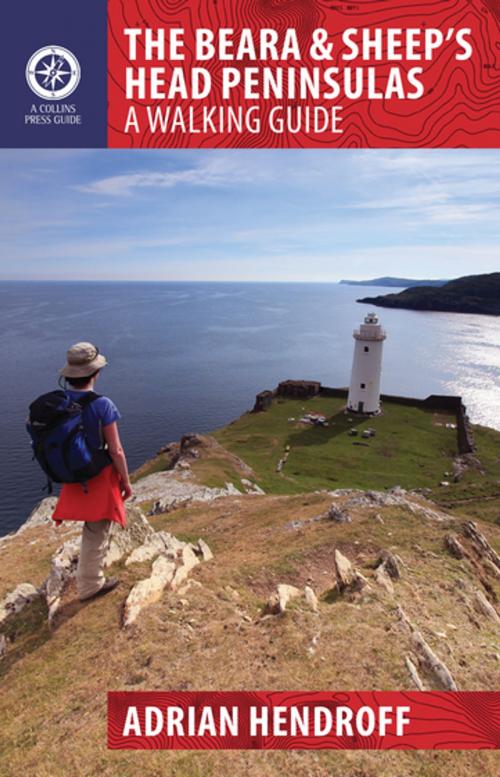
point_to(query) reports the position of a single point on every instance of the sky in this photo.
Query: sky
(248, 215)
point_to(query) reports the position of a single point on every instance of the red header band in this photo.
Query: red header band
(396, 74)
(293, 720)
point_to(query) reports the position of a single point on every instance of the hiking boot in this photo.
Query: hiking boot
(108, 585)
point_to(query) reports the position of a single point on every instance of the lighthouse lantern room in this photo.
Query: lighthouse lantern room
(364, 390)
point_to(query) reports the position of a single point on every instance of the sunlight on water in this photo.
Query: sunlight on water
(475, 359)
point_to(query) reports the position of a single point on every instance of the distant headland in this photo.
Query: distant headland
(399, 283)
(470, 294)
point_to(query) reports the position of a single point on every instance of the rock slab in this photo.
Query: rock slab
(17, 600)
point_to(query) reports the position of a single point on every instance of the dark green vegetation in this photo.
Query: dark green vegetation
(412, 447)
(471, 294)
(398, 282)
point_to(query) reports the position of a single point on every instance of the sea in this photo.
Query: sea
(190, 357)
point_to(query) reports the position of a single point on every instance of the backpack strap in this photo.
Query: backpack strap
(87, 400)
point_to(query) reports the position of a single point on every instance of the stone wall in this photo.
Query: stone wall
(263, 400)
(300, 389)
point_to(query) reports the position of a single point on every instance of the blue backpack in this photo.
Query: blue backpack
(58, 439)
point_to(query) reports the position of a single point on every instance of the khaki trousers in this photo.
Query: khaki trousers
(89, 574)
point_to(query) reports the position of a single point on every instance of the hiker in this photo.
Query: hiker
(96, 499)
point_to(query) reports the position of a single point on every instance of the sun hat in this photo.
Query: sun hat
(82, 360)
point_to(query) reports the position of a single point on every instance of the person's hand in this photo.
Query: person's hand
(126, 490)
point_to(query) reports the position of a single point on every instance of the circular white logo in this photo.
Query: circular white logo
(53, 73)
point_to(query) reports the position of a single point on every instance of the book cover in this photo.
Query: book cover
(249, 337)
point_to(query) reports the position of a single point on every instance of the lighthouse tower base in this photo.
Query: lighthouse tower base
(367, 413)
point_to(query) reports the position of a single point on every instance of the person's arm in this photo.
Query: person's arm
(115, 450)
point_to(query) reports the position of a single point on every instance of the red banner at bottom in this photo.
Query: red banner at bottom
(301, 720)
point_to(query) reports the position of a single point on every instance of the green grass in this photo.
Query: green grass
(409, 448)
(215, 472)
(159, 463)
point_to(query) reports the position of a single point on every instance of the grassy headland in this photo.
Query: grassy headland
(412, 447)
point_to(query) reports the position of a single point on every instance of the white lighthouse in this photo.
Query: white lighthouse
(364, 391)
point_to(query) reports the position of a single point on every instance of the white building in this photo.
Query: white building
(364, 390)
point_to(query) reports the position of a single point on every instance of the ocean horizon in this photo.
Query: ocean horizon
(188, 356)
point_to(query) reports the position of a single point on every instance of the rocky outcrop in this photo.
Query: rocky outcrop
(483, 606)
(480, 544)
(251, 487)
(155, 544)
(357, 498)
(391, 564)
(63, 568)
(284, 594)
(149, 590)
(17, 600)
(427, 659)
(432, 663)
(174, 562)
(414, 674)
(165, 544)
(338, 515)
(394, 497)
(137, 543)
(189, 443)
(453, 546)
(175, 486)
(187, 560)
(476, 549)
(203, 550)
(462, 464)
(311, 598)
(348, 579)
(344, 571)
(383, 579)
(123, 541)
(168, 490)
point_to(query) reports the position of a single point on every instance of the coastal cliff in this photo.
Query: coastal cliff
(470, 294)
(235, 575)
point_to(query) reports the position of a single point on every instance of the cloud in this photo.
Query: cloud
(216, 171)
(449, 162)
(431, 187)
(222, 168)
(123, 185)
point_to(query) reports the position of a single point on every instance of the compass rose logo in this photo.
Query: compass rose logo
(53, 73)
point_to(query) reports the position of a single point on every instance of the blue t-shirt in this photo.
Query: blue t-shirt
(101, 412)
